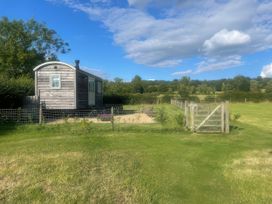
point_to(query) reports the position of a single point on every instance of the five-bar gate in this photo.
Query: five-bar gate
(210, 118)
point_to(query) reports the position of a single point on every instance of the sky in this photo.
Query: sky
(158, 39)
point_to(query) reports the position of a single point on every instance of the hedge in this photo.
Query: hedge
(13, 91)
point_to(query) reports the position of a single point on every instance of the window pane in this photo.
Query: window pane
(55, 81)
(91, 86)
(99, 87)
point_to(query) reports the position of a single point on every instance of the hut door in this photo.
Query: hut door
(91, 91)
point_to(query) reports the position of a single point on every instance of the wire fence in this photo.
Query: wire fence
(107, 114)
(19, 115)
(58, 115)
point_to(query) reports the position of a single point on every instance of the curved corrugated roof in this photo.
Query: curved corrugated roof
(68, 65)
(53, 62)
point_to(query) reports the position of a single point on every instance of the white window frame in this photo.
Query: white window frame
(51, 81)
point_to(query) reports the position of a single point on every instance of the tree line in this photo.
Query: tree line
(239, 88)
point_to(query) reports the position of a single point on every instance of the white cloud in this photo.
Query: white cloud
(267, 71)
(181, 29)
(213, 64)
(225, 38)
(182, 73)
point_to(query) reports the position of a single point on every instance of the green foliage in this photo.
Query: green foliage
(13, 91)
(241, 83)
(210, 98)
(145, 91)
(184, 88)
(254, 86)
(235, 116)
(179, 119)
(137, 84)
(23, 45)
(161, 115)
(238, 96)
(268, 87)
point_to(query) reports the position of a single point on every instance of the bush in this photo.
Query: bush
(179, 119)
(13, 91)
(235, 117)
(161, 116)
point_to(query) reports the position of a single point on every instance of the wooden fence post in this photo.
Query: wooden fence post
(192, 115)
(40, 114)
(222, 117)
(112, 118)
(226, 117)
(186, 114)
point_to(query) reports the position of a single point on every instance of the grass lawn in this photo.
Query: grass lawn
(89, 163)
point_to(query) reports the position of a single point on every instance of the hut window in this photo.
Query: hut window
(91, 86)
(55, 81)
(99, 87)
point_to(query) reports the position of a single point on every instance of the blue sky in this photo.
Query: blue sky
(159, 39)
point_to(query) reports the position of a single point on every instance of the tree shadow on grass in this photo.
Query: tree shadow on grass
(234, 128)
(7, 128)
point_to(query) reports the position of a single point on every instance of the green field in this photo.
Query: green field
(89, 163)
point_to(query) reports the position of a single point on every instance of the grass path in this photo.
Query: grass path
(88, 163)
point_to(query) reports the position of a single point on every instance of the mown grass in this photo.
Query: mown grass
(89, 163)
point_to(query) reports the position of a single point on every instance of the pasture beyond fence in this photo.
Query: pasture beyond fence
(205, 117)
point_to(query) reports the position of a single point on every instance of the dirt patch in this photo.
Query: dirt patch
(136, 118)
(77, 120)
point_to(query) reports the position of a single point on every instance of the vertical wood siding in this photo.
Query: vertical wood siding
(82, 90)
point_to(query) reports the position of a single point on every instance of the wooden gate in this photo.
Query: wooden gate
(210, 118)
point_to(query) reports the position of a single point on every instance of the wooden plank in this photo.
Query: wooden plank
(186, 114)
(227, 117)
(192, 115)
(222, 118)
(208, 117)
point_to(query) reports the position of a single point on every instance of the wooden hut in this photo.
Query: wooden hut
(62, 86)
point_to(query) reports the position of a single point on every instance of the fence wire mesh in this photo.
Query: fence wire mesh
(20, 115)
(107, 114)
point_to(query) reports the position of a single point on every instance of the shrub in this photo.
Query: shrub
(179, 119)
(13, 91)
(161, 116)
(235, 116)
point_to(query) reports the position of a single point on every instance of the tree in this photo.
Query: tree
(137, 84)
(227, 86)
(268, 88)
(23, 45)
(184, 88)
(254, 86)
(241, 83)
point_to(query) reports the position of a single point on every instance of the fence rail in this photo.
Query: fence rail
(180, 104)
